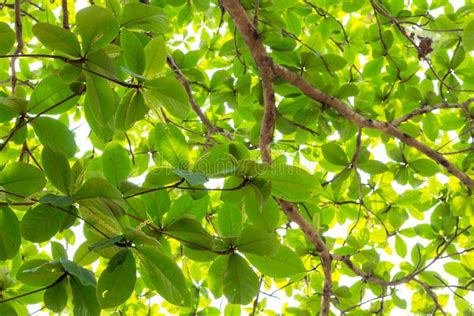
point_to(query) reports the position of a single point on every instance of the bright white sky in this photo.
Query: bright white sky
(276, 303)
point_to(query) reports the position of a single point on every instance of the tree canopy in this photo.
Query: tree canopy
(201, 157)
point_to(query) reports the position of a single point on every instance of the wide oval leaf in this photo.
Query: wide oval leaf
(117, 281)
(97, 27)
(240, 281)
(57, 38)
(165, 275)
(56, 135)
(283, 264)
(22, 178)
(41, 223)
(169, 92)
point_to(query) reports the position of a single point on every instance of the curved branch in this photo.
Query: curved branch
(356, 118)
(429, 108)
(211, 128)
(265, 65)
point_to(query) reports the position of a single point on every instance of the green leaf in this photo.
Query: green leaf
(56, 167)
(256, 241)
(170, 144)
(230, 219)
(55, 298)
(165, 275)
(241, 284)
(41, 223)
(291, 183)
(133, 52)
(185, 206)
(7, 38)
(461, 205)
(160, 177)
(100, 99)
(400, 246)
(193, 178)
(39, 272)
(169, 92)
(144, 17)
(431, 126)
(191, 233)
(373, 68)
(56, 135)
(333, 153)
(457, 270)
(83, 298)
(57, 38)
(97, 27)
(283, 264)
(10, 238)
(155, 57)
(106, 243)
(468, 36)
(117, 281)
(115, 163)
(7, 310)
(52, 96)
(373, 167)
(424, 167)
(322, 63)
(22, 178)
(84, 276)
(215, 276)
(131, 109)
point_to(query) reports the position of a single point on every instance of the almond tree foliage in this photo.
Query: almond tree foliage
(311, 113)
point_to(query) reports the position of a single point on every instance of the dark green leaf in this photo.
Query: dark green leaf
(83, 298)
(133, 52)
(84, 276)
(165, 275)
(240, 282)
(7, 38)
(117, 281)
(55, 298)
(10, 238)
(256, 241)
(41, 223)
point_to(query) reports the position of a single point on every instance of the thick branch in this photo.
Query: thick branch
(265, 65)
(361, 121)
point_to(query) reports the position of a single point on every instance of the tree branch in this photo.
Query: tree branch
(35, 291)
(265, 65)
(19, 43)
(429, 108)
(361, 121)
(211, 128)
(65, 14)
